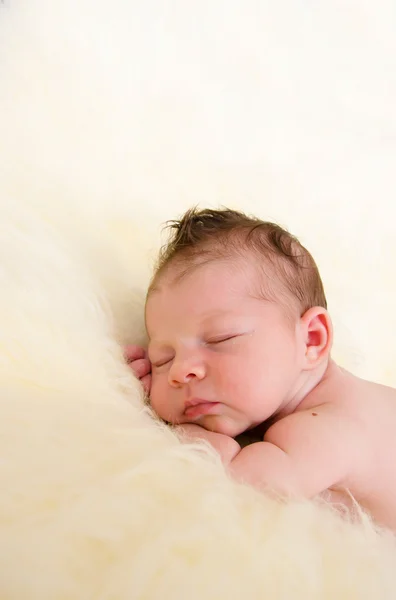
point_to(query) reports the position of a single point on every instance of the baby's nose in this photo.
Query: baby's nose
(183, 371)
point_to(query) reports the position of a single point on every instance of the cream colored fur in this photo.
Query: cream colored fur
(98, 500)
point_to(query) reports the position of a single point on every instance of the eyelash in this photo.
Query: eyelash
(209, 342)
(161, 364)
(224, 339)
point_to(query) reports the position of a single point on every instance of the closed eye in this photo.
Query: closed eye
(220, 340)
(161, 363)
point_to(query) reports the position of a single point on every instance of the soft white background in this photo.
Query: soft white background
(136, 110)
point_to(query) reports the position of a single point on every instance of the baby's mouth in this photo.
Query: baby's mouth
(198, 407)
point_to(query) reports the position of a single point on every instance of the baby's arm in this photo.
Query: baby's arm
(301, 455)
(226, 446)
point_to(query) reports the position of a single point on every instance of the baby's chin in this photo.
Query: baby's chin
(221, 424)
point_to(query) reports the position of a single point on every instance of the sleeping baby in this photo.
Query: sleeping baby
(240, 340)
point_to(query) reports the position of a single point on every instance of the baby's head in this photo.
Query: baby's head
(237, 322)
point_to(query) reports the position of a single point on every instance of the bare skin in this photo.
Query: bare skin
(340, 441)
(223, 363)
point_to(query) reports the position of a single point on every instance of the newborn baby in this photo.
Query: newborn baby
(239, 340)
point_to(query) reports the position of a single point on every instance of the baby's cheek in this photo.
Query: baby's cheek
(234, 374)
(159, 395)
(243, 386)
(155, 393)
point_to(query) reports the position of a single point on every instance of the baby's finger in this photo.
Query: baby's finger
(133, 352)
(141, 367)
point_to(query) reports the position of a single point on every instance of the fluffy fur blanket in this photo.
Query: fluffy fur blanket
(100, 501)
(112, 119)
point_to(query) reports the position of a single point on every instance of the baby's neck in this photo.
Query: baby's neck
(301, 398)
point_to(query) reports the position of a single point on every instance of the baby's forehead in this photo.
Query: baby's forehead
(217, 283)
(223, 276)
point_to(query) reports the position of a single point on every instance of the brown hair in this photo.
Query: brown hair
(201, 236)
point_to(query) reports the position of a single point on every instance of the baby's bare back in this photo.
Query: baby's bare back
(369, 410)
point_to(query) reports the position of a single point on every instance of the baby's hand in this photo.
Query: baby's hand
(226, 446)
(136, 357)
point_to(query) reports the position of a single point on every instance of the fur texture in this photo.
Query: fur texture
(98, 500)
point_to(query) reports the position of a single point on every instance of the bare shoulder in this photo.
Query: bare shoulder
(348, 388)
(321, 445)
(323, 429)
(347, 413)
(377, 390)
(369, 402)
(375, 404)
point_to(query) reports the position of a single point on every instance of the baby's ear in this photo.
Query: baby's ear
(317, 332)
